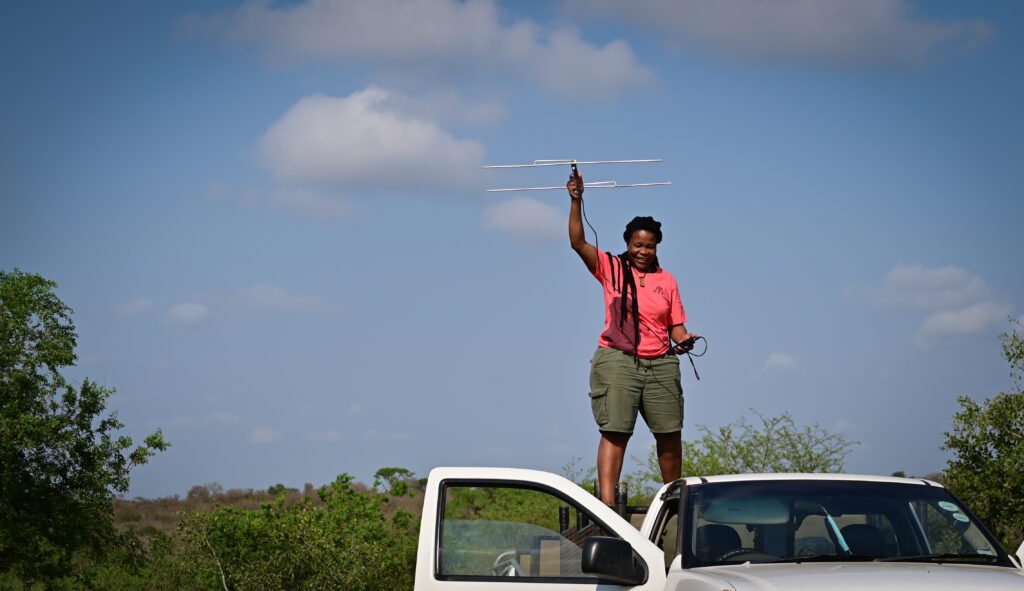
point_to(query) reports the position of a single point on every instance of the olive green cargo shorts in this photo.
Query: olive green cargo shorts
(619, 387)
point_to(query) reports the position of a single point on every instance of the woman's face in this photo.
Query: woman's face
(641, 250)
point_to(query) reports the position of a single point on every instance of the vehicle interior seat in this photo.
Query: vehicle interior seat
(714, 540)
(865, 540)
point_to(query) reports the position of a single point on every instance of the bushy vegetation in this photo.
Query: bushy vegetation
(344, 535)
(987, 441)
(61, 458)
(769, 444)
(344, 542)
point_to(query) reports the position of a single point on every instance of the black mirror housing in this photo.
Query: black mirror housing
(613, 559)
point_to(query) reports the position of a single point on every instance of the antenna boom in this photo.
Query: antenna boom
(573, 164)
(567, 162)
(594, 185)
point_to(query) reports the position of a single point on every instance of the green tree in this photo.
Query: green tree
(987, 441)
(771, 444)
(61, 460)
(396, 479)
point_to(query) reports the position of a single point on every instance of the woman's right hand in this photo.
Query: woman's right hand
(575, 186)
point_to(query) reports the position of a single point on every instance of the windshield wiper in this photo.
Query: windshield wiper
(828, 558)
(943, 557)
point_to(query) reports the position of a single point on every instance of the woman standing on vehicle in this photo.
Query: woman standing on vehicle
(635, 367)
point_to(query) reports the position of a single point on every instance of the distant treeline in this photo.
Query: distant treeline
(164, 514)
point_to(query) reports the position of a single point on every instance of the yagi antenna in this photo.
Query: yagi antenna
(573, 164)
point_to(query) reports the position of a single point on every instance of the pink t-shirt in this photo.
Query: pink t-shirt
(659, 305)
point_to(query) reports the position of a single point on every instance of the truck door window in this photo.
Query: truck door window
(511, 531)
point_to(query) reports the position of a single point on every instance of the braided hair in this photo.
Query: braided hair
(628, 284)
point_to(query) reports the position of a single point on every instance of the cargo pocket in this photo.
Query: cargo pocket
(599, 405)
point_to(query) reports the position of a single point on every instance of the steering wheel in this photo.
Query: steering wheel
(506, 565)
(736, 552)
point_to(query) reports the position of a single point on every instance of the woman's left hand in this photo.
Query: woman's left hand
(685, 344)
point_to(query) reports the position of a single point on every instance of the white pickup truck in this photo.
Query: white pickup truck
(510, 529)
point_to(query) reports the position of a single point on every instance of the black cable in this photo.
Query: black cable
(671, 349)
(690, 355)
(583, 210)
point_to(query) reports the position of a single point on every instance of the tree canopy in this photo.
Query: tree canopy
(61, 458)
(769, 444)
(987, 441)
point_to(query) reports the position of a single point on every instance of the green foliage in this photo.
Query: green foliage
(580, 475)
(987, 442)
(397, 480)
(503, 504)
(777, 444)
(61, 460)
(772, 444)
(346, 542)
(280, 489)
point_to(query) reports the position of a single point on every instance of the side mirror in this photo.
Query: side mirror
(613, 559)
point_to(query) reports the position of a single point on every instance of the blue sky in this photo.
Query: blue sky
(270, 217)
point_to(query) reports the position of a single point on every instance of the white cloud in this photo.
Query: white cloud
(831, 32)
(972, 319)
(528, 219)
(135, 307)
(364, 142)
(449, 108)
(914, 286)
(312, 203)
(437, 36)
(845, 426)
(593, 73)
(262, 435)
(323, 436)
(188, 313)
(354, 409)
(780, 361)
(956, 301)
(263, 296)
(224, 418)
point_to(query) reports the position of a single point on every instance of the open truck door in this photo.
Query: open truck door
(486, 528)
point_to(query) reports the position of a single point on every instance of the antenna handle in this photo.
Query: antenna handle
(576, 175)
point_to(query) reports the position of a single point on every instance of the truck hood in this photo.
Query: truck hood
(854, 575)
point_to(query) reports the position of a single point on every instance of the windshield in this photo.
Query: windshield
(809, 520)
